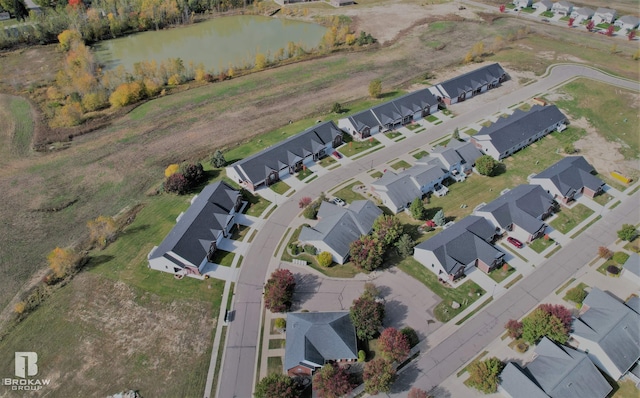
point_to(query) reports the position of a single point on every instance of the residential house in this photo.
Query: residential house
(544, 5)
(397, 191)
(631, 268)
(522, 3)
(468, 85)
(556, 371)
(459, 248)
(608, 331)
(340, 3)
(604, 15)
(314, 339)
(569, 176)
(562, 7)
(627, 23)
(520, 212)
(508, 135)
(390, 115)
(286, 157)
(339, 226)
(198, 232)
(582, 14)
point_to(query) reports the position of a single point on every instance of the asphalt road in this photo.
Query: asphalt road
(239, 366)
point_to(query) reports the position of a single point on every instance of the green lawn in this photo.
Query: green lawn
(465, 294)
(23, 131)
(540, 244)
(351, 148)
(280, 187)
(625, 389)
(413, 126)
(274, 365)
(499, 274)
(547, 14)
(377, 174)
(276, 343)
(420, 155)
(567, 219)
(347, 193)
(392, 134)
(400, 165)
(431, 119)
(257, 204)
(603, 199)
(326, 161)
(470, 131)
(304, 173)
(223, 257)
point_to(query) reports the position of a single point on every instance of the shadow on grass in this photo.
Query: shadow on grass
(389, 94)
(500, 169)
(97, 260)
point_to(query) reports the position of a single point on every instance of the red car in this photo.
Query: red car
(515, 242)
(337, 155)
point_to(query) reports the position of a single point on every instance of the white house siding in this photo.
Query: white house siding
(430, 262)
(631, 276)
(345, 124)
(598, 357)
(323, 247)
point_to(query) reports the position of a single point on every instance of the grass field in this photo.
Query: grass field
(499, 274)
(539, 245)
(355, 147)
(347, 193)
(400, 165)
(567, 219)
(280, 187)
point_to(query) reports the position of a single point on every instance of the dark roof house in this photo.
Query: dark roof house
(570, 175)
(469, 84)
(557, 372)
(315, 338)
(608, 329)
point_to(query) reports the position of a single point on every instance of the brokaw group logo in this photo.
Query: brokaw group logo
(26, 366)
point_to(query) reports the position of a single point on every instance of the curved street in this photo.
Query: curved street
(239, 361)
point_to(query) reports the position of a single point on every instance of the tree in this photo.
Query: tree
(378, 376)
(176, 183)
(456, 134)
(636, 55)
(502, 7)
(411, 335)
(613, 49)
(261, 61)
(541, 323)
(218, 160)
(171, 169)
(304, 202)
(62, 261)
(483, 375)
(610, 30)
(324, 259)
(439, 218)
(387, 228)
(514, 328)
(571, 21)
(19, 10)
(569, 149)
(366, 314)
(375, 88)
(497, 45)
(366, 252)
(576, 294)
(193, 173)
(68, 38)
(332, 381)
(394, 344)
(415, 392)
(278, 291)
(604, 252)
(631, 35)
(280, 323)
(417, 209)
(102, 230)
(405, 245)
(486, 165)
(276, 385)
(337, 108)
(627, 232)
(590, 26)
(561, 312)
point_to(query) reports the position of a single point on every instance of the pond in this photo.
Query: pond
(217, 43)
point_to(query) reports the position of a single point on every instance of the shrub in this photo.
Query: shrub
(304, 202)
(604, 252)
(486, 165)
(102, 230)
(324, 259)
(218, 160)
(375, 88)
(94, 101)
(280, 323)
(294, 248)
(126, 93)
(362, 356)
(483, 376)
(174, 80)
(278, 291)
(19, 307)
(417, 209)
(176, 183)
(627, 232)
(171, 169)
(67, 39)
(411, 335)
(310, 249)
(63, 261)
(193, 172)
(514, 328)
(337, 108)
(569, 149)
(576, 294)
(69, 115)
(151, 87)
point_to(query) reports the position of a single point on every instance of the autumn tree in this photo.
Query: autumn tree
(484, 375)
(193, 173)
(366, 252)
(502, 8)
(375, 88)
(126, 93)
(304, 202)
(332, 381)
(571, 21)
(176, 183)
(541, 323)
(387, 228)
(367, 314)
(378, 376)
(261, 61)
(68, 38)
(627, 232)
(417, 209)
(475, 54)
(62, 261)
(604, 252)
(631, 35)
(324, 259)
(576, 294)
(497, 45)
(405, 245)
(102, 230)
(278, 291)
(171, 169)
(439, 218)
(514, 328)
(487, 166)
(394, 344)
(561, 312)
(276, 385)
(590, 26)
(218, 160)
(415, 392)
(610, 30)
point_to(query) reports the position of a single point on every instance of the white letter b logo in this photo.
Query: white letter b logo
(26, 364)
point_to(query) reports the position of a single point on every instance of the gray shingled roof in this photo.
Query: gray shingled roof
(257, 167)
(339, 226)
(415, 102)
(462, 243)
(547, 3)
(603, 10)
(387, 113)
(424, 174)
(557, 371)
(316, 337)
(612, 325)
(192, 235)
(467, 151)
(586, 11)
(364, 119)
(571, 174)
(633, 264)
(447, 155)
(523, 206)
(399, 187)
(565, 3)
(629, 20)
(509, 132)
(471, 80)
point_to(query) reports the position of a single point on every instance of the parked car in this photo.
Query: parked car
(336, 155)
(515, 242)
(339, 202)
(545, 20)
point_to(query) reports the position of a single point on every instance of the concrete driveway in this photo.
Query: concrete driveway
(407, 301)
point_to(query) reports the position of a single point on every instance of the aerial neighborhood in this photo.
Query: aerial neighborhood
(320, 198)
